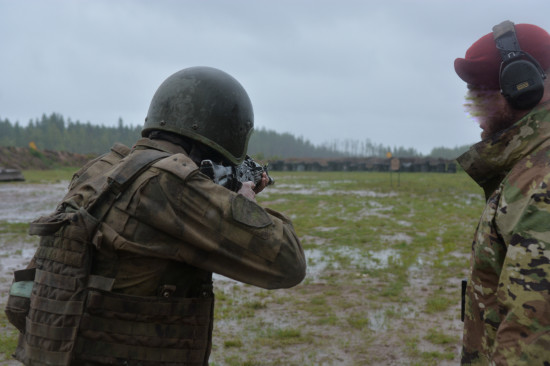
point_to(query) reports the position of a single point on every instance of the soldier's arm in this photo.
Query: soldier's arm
(243, 240)
(215, 229)
(524, 288)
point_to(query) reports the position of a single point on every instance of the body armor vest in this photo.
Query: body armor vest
(75, 319)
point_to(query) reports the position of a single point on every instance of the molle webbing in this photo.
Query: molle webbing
(143, 330)
(63, 263)
(59, 291)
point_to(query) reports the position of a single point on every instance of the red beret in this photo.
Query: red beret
(481, 65)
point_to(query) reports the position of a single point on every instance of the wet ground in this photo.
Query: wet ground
(21, 203)
(24, 202)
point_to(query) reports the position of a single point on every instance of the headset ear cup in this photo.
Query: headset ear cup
(522, 84)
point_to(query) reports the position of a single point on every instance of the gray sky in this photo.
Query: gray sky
(323, 70)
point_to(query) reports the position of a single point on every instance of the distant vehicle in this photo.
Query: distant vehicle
(10, 175)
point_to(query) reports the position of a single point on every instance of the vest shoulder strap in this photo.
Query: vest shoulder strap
(122, 176)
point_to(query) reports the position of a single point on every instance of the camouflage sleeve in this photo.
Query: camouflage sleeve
(210, 227)
(523, 219)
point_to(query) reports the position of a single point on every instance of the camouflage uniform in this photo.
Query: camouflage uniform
(507, 314)
(161, 240)
(174, 213)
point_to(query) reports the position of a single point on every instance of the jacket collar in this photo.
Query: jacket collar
(490, 160)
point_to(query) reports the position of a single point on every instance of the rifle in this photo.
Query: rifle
(232, 177)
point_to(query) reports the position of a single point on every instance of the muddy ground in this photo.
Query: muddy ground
(21, 203)
(383, 340)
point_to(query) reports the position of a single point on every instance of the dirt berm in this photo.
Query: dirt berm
(26, 158)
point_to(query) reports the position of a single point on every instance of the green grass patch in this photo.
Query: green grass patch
(17, 228)
(281, 337)
(435, 336)
(8, 337)
(8, 342)
(50, 175)
(438, 303)
(233, 343)
(358, 321)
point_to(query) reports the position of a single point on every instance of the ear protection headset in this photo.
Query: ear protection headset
(521, 77)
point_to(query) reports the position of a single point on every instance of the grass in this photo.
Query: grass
(8, 337)
(385, 263)
(435, 336)
(49, 176)
(14, 228)
(360, 299)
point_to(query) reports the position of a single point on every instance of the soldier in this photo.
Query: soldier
(123, 274)
(507, 307)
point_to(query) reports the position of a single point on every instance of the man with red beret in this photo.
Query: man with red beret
(507, 299)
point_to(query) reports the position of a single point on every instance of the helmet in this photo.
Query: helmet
(206, 105)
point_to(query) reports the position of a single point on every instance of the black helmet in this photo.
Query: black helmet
(207, 105)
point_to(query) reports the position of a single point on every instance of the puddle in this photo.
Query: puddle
(381, 319)
(325, 229)
(307, 239)
(15, 255)
(320, 260)
(469, 199)
(381, 259)
(378, 319)
(377, 210)
(26, 202)
(397, 238)
(316, 262)
(303, 190)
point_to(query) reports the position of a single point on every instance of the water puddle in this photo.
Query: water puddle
(304, 190)
(381, 319)
(331, 258)
(376, 210)
(378, 319)
(319, 261)
(404, 223)
(468, 199)
(397, 238)
(15, 256)
(25, 202)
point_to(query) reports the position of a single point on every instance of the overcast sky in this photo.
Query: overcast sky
(323, 70)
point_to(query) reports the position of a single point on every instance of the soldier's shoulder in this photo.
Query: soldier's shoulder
(178, 164)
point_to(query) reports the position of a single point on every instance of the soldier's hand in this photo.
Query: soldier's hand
(262, 184)
(247, 190)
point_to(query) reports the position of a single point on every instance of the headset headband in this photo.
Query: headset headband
(508, 45)
(506, 40)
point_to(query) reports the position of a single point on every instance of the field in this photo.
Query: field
(386, 254)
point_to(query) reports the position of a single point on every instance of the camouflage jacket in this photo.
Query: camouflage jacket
(507, 314)
(174, 214)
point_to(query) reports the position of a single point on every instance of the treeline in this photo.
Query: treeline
(53, 132)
